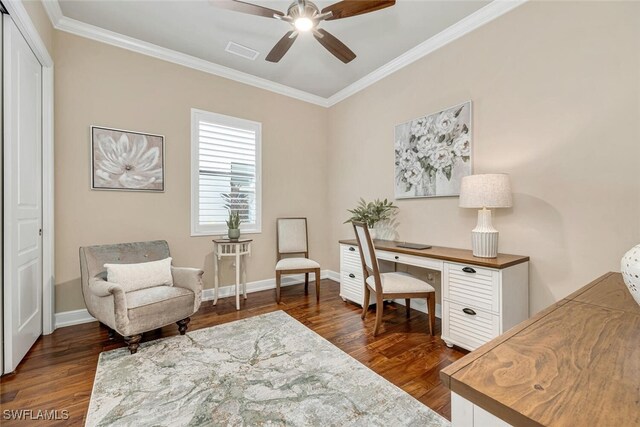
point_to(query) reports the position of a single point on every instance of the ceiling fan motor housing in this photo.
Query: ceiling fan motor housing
(310, 9)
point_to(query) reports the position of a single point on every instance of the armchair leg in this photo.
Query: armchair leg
(407, 304)
(133, 342)
(183, 324)
(306, 283)
(110, 331)
(317, 274)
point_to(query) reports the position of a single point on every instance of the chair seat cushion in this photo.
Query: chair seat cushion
(155, 295)
(296, 264)
(152, 308)
(400, 283)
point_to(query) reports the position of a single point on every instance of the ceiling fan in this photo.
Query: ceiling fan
(305, 16)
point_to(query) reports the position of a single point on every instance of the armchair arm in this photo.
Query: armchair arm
(102, 288)
(189, 278)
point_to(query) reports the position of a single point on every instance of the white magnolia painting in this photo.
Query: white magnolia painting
(126, 160)
(433, 153)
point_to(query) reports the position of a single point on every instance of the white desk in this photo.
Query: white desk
(480, 299)
(237, 249)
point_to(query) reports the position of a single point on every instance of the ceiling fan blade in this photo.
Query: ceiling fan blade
(251, 9)
(335, 46)
(282, 47)
(347, 8)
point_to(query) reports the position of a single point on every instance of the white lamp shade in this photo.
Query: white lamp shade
(486, 191)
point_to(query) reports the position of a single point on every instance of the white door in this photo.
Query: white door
(22, 145)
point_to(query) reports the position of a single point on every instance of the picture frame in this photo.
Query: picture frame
(125, 160)
(433, 153)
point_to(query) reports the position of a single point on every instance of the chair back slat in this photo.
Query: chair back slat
(367, 254)
(363, 243)
(292, 237)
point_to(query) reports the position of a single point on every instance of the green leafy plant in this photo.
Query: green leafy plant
(372, 212)
(234, 220)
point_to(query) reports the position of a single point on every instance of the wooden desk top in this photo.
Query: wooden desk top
(463, 256)
(577, 363)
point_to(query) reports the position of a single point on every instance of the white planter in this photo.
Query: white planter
(630, 268)
(373, 233)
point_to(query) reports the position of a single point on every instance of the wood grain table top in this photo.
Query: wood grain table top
(464, 256)
(577, 363)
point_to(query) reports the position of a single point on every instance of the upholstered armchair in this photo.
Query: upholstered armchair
(132, 313)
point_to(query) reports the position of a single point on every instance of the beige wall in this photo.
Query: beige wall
(555, 104)
(99, 84)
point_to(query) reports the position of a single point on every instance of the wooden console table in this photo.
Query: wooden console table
(577, 363)
(481, 297)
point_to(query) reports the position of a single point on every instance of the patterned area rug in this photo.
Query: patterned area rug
(265, 370)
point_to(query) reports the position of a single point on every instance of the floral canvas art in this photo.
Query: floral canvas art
(126, 160)
(433, 153)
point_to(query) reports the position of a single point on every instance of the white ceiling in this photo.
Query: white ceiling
(200, 29)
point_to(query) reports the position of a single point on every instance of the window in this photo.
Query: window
(225, 168)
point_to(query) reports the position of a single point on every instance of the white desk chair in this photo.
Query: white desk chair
(293, 239)
(389, 285)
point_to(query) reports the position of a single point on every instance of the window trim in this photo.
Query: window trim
(198, 229)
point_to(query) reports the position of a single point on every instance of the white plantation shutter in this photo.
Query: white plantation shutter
(225, 172)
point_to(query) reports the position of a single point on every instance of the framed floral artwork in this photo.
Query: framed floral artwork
(433, 153)
(126, 160)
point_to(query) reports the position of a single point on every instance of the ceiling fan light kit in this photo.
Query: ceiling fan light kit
(305, 16)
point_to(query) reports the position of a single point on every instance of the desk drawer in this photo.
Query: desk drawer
(350, 258)
(418, 261)
(467, 329)
(352, 287)
(472, 285)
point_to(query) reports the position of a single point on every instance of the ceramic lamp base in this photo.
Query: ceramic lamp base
(484, 238)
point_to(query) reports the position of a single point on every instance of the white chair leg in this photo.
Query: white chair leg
(244, 277)
(237, 281)
(216, 279)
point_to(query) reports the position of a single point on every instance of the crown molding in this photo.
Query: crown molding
(472, 22)
(73, 26)
(477, 19)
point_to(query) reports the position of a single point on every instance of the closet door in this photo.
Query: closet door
(22, 146)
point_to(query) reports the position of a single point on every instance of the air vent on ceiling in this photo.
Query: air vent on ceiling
(243, 51)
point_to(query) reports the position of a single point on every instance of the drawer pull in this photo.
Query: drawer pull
(353, 276)
(397, 257)
(469, 311)
(468, 270)
(351, 248)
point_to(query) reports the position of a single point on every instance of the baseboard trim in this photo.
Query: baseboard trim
(265, 285)
(77, 317)
(71, 318)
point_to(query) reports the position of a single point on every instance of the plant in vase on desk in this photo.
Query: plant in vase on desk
(372, 213)
(234, 225)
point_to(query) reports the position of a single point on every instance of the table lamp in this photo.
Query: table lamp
(485, 192)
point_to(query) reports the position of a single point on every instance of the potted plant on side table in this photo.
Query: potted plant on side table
(372, 213)
(233, 223)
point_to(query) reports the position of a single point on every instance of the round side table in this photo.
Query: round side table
(232, 248)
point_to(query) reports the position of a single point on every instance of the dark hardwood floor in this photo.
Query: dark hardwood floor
(58, 372)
